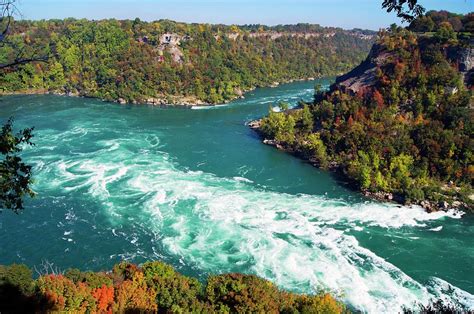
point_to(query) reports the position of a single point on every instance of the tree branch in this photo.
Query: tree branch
(23, 61)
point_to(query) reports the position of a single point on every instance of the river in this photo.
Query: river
(197, 189)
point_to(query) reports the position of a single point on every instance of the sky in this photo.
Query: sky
(348, 14)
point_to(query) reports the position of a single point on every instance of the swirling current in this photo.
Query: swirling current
(197, 189)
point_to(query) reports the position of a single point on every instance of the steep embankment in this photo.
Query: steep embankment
(165, 62)
(399, 126)
(365, 75)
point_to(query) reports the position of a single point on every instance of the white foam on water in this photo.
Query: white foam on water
(276, 109)
(437, 229)
(227, 225)
(242, 179)
(212, 107)
(451, 295)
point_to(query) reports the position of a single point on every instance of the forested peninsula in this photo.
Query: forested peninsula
(400, 125)
(166, 62)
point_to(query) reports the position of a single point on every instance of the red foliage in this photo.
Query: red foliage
(362, 92)
(64, 296)
(377, 96)
(399, 70)
(417, 63)
(350, 121)
(105, 298)
(360, 115)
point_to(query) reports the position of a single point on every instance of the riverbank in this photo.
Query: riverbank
(163, 101)
(187, 186)
(448, 203)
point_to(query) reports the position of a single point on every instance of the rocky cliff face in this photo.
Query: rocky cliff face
(466, 65)
(364, 75)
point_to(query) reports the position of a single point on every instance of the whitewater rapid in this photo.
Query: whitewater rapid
(197, 189)
(300, 242)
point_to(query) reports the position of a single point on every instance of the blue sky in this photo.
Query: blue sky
(343, 13)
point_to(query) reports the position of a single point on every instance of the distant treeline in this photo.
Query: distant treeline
(136, 60)
(433, 21)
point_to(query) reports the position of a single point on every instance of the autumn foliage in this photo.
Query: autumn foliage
(153, 287)
(404, 130)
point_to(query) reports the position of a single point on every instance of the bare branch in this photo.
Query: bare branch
(47, 268)
(8, 10)
(23, 61)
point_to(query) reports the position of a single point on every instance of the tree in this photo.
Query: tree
(407, 10)
(316, 149)
(445, 33)
(15, 175)
(306, 119)
(7, 10)
(422, 25)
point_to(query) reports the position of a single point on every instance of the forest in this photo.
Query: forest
(153, 287)
(403, 133)
(166, 62)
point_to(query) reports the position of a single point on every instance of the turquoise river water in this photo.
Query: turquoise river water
(197, 189)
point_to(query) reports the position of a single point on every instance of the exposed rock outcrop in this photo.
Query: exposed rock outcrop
(466, 65)
(171, 43)
(363, 75)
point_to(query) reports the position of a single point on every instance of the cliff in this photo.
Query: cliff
(166, 62)
(365, 75)
(398, 127)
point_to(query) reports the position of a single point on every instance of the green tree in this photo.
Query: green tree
(307, 122)
(286, 133)
(315, 148)
(361, 170)
(400, 170)
(56, 76)
(15, 175)
(422, 25)
(405, 9)
(445, 33)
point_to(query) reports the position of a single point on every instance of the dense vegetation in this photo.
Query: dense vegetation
(135, 61)
(408, 134)
(151, 288)
(15, 175)
(434, 21)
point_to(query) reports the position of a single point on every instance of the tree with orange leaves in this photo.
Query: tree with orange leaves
(105, 298)
(378, 98)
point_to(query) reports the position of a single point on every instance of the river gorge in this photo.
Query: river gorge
(197, 189)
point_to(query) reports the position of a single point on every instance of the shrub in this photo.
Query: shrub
(16, 286)
(93, 280)
(173, 289)
(59, 293)
(323, 303)
(243, 294)
(135, 295)
(154, 287)
(19, 276)
(104, 297)
(124, 271)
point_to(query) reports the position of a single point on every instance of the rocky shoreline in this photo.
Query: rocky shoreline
(168, 101)
(428, 205)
